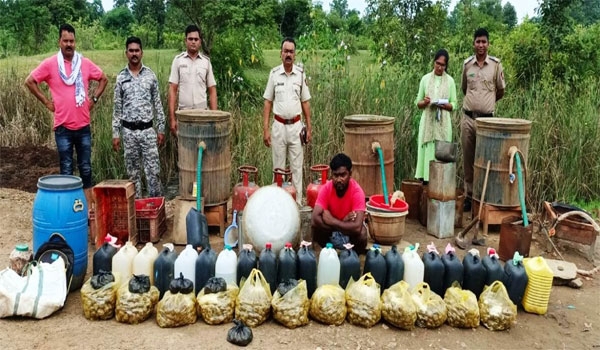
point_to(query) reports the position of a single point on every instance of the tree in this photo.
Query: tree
(339, 7)
(509, 15)
(152, 15)
(588, 12)
(295, 17)
(118, 20)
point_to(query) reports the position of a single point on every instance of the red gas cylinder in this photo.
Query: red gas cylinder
(243, 190)
(283, 179)
(312, 191)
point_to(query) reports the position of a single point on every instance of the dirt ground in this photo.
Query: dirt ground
(572, 320)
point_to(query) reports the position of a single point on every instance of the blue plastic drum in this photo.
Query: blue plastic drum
(60, 206)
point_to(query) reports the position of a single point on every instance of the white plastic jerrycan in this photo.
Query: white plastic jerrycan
(186, 263)
(414, 269)
(143, 263)
(122, 262)
(328, 270)
(226, 266)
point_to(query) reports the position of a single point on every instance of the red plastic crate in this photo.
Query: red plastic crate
(151, 219)
(115, 211)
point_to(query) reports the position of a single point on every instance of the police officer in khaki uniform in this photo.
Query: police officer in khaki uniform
(287, 94)
(191, 76)
(483, 85)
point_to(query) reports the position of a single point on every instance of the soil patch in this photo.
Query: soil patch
(20, 167)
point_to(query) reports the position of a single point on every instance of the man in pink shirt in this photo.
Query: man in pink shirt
(68, 74)
(339, 212)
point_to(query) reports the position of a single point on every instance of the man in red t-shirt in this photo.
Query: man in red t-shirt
(339, 212)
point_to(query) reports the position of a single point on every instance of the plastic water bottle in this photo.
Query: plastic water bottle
(434, 270)
(186, 263)
(164, 268)
(349, 265)
(143, 263)
(205, 267)
(267, 264)
(413, 266)
(328, 270)
(122, 262)
(226, 265)
(375, 264)
(247, 261)
(394, 267)
(288, 265)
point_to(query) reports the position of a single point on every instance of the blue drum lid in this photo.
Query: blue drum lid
(59, 182)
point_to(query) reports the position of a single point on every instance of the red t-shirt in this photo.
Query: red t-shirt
(66, 113)
(353, 199)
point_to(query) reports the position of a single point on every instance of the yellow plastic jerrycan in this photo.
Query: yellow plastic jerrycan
(537, 292)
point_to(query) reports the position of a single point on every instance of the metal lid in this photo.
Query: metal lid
(59, 182)
(368, 119)
(202, 115)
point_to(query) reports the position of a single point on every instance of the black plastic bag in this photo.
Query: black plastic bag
(338, 240)
(215, 285)
(286, 286)
(240, 334)
(101, 279)
(181, 285)
(139, 284)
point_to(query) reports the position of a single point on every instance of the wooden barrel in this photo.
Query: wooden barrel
(495, 136)
(360, 131)
(214, 128)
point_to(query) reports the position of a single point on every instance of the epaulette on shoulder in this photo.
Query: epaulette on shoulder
(276, 69)
(469, 59)
(300, 69)
(495, 59)
(204, 56)
(180, 55)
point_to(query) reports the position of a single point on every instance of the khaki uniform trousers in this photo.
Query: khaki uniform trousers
(468, 133)
(285, 140)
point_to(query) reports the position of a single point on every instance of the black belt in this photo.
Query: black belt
(136, 125)
(475, 115)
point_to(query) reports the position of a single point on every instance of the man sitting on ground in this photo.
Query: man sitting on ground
(338, 216)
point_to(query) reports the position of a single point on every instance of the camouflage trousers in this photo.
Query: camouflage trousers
(140, 146)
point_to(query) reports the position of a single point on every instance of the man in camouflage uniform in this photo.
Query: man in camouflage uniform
(190, 79)
(136, 93)
(483, 85)
(288, 95)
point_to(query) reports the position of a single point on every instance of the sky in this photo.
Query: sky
(523, 7)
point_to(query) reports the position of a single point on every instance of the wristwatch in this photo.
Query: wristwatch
(95, 99)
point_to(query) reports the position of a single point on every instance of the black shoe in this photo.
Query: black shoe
(467, 205)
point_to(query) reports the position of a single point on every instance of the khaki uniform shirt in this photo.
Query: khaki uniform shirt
(193, 76)
(287, 91)
(481, 83)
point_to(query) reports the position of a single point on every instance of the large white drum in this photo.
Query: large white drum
(271, 216)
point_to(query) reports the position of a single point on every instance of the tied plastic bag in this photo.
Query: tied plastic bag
(139, 284)
(134, 308)
(497, 311)
(175, 310)
(291, 308)
(364, 302)
(431, 309)
(328, 304)
(99, 296)
(463, 311)
(253, 304)
(181, 285)
(217, 308)
(215, 285)
(240, 334)
(398, 307)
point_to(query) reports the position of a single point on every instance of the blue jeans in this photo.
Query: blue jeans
(82, 141)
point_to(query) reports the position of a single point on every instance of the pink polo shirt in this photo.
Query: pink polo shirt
(66, 113)
(353, 199)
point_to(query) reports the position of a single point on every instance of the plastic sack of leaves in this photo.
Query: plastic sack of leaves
(253, 304)
(463, 311)
(497, 311)
(291, 308)
(328, 304)
(240, 334)
(397, 307)
(139, 284)
(217, 308)
(431, 309)
(134, 308)
(363, 301)
(99, 303)
(175, 310)
(215, 285)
